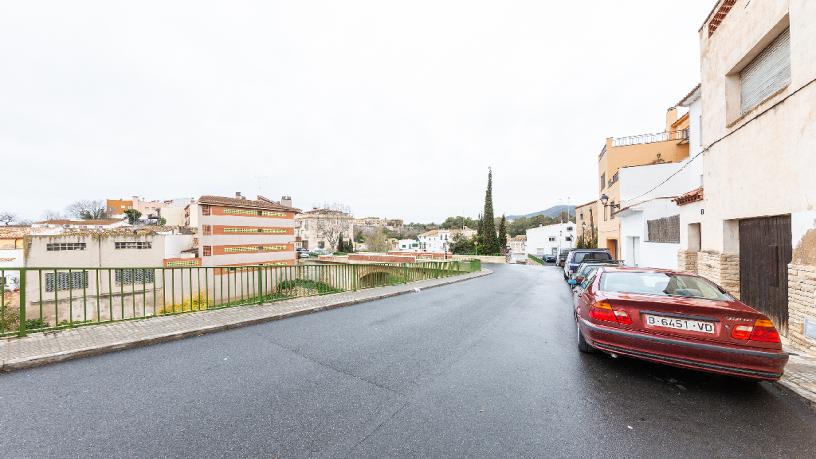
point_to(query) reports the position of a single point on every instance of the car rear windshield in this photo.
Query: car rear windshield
(581, 257)
(663, 284)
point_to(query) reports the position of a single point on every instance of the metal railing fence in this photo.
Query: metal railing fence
(43, 299)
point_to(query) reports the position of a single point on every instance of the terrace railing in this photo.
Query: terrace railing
(651, 138)
(43, 299)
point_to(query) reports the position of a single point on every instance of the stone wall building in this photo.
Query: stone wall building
(754, 227)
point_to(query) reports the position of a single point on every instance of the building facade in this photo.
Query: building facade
(323, 229)
(757, 231)
(550, 239)
(239, 231)
(586, 222)
(668, 146)
(517, 244)
(12, 253)
(440, 240)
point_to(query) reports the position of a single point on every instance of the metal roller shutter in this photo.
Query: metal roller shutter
(767, 73)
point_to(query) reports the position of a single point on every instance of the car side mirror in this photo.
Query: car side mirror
(572, 282)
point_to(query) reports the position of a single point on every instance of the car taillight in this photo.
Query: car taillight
(762, 330)
(604, 311)
(741, 331)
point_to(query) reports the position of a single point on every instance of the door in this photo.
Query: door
(765, 251)
(635, 255)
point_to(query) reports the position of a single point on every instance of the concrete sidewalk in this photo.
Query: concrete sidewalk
(43, 348)
(800, 377)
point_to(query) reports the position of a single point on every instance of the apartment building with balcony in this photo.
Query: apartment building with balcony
(239, 231)
(668, 146)
(756, 235)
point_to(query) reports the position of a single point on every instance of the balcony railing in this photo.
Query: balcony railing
(666, 136)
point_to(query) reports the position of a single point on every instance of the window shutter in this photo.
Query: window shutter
(767, 73)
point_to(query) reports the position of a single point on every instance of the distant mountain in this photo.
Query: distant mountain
(552, 212)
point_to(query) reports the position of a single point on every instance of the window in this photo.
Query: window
(205, 210)
(59, 246)
(552, 239)
(766, 74)
(207, 251)
(568, 238)
(662, 284)
(664, 229)
(255, 230)
(569, 228)
(66, 281)
(603, 181)
(206, 229)
(133, 245)
(131, 276)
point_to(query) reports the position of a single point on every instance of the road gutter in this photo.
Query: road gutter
(50, 339)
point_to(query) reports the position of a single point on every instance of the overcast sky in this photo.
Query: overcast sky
(393, 108)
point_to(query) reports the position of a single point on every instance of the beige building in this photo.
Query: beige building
(323, 228)
(668, 146)
(586, 221)
(518, 244)
(239, 231)
(757, 232)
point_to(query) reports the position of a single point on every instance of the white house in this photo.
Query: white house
(440, 240)
(649, 215)
(550, 239)
(518, 244)
(407, 245)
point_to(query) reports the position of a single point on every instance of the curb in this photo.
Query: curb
(30, 362)
(806, 398)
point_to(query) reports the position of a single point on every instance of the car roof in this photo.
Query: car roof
(633, 269)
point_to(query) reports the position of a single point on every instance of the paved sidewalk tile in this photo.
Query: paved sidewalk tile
(42, 348)
(800, 377)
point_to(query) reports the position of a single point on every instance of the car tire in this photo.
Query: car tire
(583, 346)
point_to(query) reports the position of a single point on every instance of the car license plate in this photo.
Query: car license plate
(679, 324)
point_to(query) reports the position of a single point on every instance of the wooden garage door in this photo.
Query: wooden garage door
(765, 251)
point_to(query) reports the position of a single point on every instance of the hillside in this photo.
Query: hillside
(551, 212)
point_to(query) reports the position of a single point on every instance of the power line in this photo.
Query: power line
(721, 139)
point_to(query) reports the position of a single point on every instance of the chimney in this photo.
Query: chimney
(286, 201)
(238, 195)
(671, 117)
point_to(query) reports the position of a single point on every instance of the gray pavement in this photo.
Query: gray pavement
(486, 367)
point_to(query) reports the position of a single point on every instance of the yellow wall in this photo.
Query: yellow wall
(614, 158)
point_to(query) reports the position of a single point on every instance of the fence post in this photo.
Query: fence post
(22, 331)
(259, 287)
(405, 273)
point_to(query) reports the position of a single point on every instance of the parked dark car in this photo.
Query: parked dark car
(563, 256)
(578, 256)
(676, 319)
(586, 269)
(549, 258)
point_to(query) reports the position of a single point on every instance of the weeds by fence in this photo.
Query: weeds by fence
(55, 298)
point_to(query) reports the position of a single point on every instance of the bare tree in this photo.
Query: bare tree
(52, 215)
(7, 218)
(87, 210)
(376, 241)
(330, 225)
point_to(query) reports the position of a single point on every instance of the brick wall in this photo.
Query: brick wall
(687, 261)
(722, 269)
(801, 304)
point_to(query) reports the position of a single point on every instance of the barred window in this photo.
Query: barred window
(664, 229)
(207, 251)
(206, 229)
(255, 230)
(59, 246)
(133, 245)
(250, 249)
(138, 276)
(66, 281)
(205, 210)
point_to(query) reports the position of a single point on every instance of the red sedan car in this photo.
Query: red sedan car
(678, 319)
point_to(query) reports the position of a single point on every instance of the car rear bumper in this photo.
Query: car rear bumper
(735, 361)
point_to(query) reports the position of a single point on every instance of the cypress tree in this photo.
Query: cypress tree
(503, 234)
(341, 246)
(490, 241)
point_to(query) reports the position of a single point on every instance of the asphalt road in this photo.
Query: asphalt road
(487, 367)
